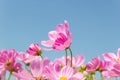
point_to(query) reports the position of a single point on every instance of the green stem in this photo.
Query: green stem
(70, 56)
(41, 57)
(10, 75)
(66, 56)
(102, 78)
(93, 76)
(4, 76)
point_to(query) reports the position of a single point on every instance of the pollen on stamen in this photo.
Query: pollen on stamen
(63, 78)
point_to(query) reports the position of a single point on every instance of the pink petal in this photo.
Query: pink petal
(24, 75)
(67, 71)
(36, 68)
(47, 43)
(63, 28)
(109, 56)
(79, 60)
(77, 76)
(118, 53)
(53, 35)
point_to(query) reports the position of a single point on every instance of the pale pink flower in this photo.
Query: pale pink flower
(60, 39)
(66, 73)
(112, 58)
(36, 68)
(34, 49)
(77, 61)
(27, 58)
(113, 71)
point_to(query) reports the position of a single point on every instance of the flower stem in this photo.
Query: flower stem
(41, 57)
(4, 76)
(102, 78)
(70, 56)
(66, 56)
(10, 75)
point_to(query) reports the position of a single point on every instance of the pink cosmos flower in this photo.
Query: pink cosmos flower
(27, 58)
(96, 64)
(112, 72)
(34, 49)
(8, 60)
(78, 60)
(36, 68)
(112, 58)
(66, 73)
(60, 39)
(61, 62)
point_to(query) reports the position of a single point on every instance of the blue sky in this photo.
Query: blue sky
(95, 24)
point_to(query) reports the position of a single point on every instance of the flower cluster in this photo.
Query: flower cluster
(31, 65)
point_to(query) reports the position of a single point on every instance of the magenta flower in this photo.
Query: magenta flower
(8, 60)
(60, 39)
(34, 49)
(96, 64)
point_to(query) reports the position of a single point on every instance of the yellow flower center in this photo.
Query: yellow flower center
(8, 63)
(38, 53)
(38, 78)
(61, 66)
(63, 78)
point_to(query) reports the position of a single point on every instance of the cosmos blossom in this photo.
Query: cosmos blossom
(68, 67)
(77, 61)
(34, 49)
(113, 71)
(112, 58)
(59, 39)
(96, 64)
(8, 60)
(36, 68)
(66, 73)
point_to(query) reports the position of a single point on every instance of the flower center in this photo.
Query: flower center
(63, 78)
(38, 53)
(118, 60)
(8, 63)
(38, 78)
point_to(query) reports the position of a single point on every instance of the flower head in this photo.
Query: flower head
(34, 49)
(36, 68)
(112, 58)
(66, 73)
(8, 59)
(60, 39)
(96, 64)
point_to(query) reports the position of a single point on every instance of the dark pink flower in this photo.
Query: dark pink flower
(96, 64)
(8, 59)
(60, 39)
(34, 49)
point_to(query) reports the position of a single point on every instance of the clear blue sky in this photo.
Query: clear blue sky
(95, 24)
